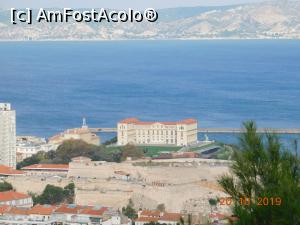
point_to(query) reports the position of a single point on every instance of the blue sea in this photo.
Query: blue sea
(52, 85)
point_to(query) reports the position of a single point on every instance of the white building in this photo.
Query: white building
(38, 215)
(7, 135)
(86, 215)
(27, 146)
(59, 214)
(134, 131)
(12, 198)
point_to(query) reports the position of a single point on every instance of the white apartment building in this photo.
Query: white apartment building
(134, 131)
(7, 135)
(27, 146)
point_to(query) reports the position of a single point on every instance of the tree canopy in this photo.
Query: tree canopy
(129, 210)
(68, 150)
(132, 151)
(55, 195)
(5, 186)
(267, 176)
(112, 141)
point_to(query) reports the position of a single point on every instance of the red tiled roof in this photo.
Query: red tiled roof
(49, 209)
(18, 211)
(77, 209)
(4, 208)
(170, 217)
(42, 209)
(5, 170)
(138, 122)
(94, 212)
(11, 195)
(74, 209)
(146, 219)
(64, 167)
(150, 213)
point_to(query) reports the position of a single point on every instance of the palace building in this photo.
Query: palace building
(134, 131)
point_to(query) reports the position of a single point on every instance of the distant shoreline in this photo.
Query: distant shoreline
(110, 40)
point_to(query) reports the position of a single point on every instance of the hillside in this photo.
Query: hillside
(276, 19)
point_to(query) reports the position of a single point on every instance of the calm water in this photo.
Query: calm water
(221, 83)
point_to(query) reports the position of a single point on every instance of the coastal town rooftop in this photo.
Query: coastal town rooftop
(7, 196)
(8, 171)
(49, 167)
(148, 216)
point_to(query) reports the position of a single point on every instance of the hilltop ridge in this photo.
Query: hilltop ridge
(276, 19)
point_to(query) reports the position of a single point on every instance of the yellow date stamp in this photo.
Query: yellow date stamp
(246, 201)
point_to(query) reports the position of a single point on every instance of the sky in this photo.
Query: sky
(116, 4)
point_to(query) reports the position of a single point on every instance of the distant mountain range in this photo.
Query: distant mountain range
(276, 19)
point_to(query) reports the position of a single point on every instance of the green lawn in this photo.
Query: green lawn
(113, 149)
(154, 150)
(149, 150)
(225, 152)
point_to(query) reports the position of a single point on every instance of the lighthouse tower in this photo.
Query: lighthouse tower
(84, 124)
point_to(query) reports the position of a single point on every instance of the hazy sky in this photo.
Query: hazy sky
(116, 3)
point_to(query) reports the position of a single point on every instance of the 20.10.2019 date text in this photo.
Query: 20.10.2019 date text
(246, 201)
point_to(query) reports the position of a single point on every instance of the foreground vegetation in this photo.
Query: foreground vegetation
(225, 152)
(265, 181)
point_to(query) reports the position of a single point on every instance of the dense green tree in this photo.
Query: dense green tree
(55, 195)
(132, 151)
(161, 207)
(73, 148)
(36, 158)
(114, 140)
(129, 210)
(69, 192)
(51, 195)
(5, 186)
(155, 223)
(212, 202)
(117, 156)
(68, 150)
(261, 170)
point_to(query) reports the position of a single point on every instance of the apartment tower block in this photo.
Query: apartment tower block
(7, 135)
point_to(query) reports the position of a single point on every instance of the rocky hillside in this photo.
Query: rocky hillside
(276, 19)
